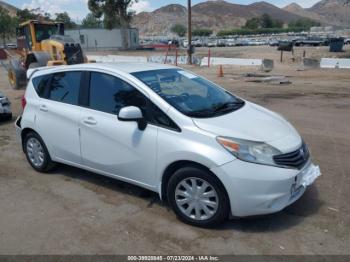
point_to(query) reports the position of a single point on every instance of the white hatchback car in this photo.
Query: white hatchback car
(211, 154)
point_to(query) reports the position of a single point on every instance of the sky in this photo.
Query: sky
(77, 9)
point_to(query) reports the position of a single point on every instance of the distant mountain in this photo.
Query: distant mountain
(161, 20)
(298, 10)
(11, 9)
(216, 15)
(336, 12)
(328, 12)
(261, 8)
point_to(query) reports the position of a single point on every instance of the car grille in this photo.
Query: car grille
(296, 159)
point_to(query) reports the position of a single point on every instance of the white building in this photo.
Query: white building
(103, 39)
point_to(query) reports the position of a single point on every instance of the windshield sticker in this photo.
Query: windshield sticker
(187, 74)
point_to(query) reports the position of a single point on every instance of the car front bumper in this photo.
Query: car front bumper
(259, 189)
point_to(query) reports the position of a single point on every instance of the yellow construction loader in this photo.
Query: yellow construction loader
(41, 44)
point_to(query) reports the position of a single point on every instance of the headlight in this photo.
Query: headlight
(250, 151)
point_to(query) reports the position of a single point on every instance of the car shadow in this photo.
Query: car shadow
(308, 205)
(151, 198)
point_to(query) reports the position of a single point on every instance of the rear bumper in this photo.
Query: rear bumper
(257, 189)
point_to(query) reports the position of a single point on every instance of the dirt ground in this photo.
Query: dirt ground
(71, 211)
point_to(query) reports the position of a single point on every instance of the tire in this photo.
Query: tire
(215, 192)
(42, 163)
(16, 75)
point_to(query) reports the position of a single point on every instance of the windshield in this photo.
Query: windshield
(44, 32)
(190, 94)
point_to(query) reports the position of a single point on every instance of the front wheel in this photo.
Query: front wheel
(198, 197)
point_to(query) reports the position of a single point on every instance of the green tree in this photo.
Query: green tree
(202, 32)
(25, 15)
(179, 29)
(305, 23)
(65, 18)
(277, 23)
(7, 25)
(116, 13)
(41, 14)
(253, 23)
(90, 21)
(266, 21)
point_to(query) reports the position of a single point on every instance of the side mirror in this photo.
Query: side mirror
(133, 113)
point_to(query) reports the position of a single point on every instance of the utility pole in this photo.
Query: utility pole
(189, 29)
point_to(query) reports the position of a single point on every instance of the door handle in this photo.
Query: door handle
(43, 108)
(90, 121)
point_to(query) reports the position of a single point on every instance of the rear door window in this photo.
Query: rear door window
(65, 87)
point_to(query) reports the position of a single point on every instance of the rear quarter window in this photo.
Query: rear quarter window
(65, 87)
(40, 84)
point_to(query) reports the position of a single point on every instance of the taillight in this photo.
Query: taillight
(24, 102)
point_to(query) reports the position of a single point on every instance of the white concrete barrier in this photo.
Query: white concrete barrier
(231, 61)
(117, 59)
(335, 63)
(181, 60)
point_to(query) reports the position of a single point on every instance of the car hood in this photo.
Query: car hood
(255, 123)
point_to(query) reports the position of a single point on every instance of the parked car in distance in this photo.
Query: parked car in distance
(230, 42)
(256, 42)
(273, 42)
(209, 153)
(212, 43)
(311, 41)
(197, 43)
(11, 46)
(242, 42)
(5, 108)
(347, 41)
(221, 42)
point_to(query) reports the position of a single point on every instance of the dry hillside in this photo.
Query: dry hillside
(216, 15)
(11, 9)
(328, 12)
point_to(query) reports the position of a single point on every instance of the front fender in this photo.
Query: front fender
(191, 145)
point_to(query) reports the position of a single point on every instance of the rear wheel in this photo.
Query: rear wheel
(198, 197)
(36, 153)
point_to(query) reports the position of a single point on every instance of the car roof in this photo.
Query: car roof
(128, 67)
(116, 67)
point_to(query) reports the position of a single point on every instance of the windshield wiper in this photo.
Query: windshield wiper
(220, 108)
(201, 113)
(229, 106)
